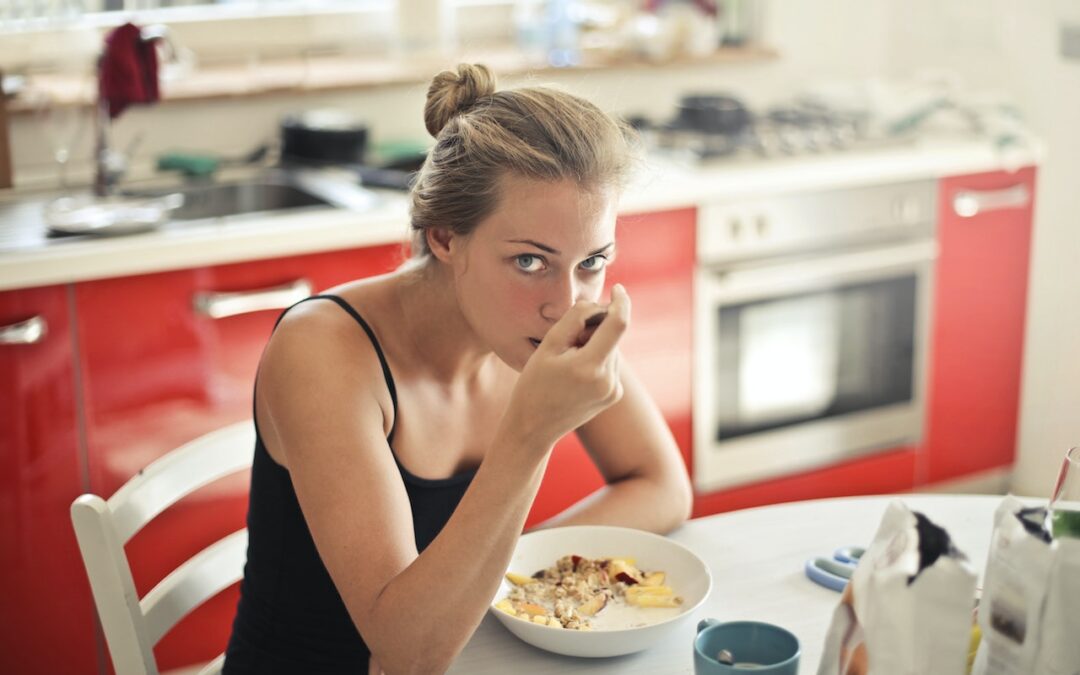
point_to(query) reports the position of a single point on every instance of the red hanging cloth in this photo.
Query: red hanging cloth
(128, 70)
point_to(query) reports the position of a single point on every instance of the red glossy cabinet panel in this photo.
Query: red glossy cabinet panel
(882, 473)
(980, 296)
(157, 374)
(655, 262)
(44, 598)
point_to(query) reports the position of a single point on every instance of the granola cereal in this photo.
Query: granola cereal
(576, 589)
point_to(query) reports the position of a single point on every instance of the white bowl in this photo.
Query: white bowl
(686, 574)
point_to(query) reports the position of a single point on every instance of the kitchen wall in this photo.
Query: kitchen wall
(1014, 46)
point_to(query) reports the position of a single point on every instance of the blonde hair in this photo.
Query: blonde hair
(482, 134)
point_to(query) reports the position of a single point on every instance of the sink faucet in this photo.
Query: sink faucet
(109, 165)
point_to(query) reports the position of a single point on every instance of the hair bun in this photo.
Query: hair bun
(452, 93)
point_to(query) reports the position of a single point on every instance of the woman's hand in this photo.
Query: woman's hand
(566, 383)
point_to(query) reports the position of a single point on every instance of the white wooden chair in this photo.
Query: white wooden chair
(132, 626)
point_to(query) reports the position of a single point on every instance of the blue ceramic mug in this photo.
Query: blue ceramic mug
(755, 647)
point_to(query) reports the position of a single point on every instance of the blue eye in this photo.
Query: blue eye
(595, 263)
(528, 262)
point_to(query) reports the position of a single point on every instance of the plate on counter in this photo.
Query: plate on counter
(108, 216)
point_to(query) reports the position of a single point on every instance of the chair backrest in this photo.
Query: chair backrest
(132, 626)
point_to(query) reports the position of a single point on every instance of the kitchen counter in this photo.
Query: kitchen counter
(666, 182)
(37, 261)
(28, 258)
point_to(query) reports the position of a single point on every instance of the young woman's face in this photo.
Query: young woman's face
(544, 248)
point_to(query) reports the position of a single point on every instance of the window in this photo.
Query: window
(33, 33)
(16, 15)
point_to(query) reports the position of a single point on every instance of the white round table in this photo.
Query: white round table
(756, 557)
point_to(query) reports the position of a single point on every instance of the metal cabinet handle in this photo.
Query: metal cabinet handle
(216, 305)
(970, 203)
(29, 332)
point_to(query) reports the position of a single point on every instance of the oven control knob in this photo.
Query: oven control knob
(761, 226)
(735, 227)
(906, 211)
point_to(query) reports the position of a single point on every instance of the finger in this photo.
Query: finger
(613, 326)
(566, 330)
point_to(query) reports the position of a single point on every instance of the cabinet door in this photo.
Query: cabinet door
(655, 261)
(980, 295)
(159, 372)
(45, 596)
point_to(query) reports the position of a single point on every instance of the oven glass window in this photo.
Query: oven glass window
(788, 360)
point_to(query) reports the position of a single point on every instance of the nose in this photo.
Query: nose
(560, 297)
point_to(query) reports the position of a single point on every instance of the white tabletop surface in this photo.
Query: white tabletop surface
(756, 557)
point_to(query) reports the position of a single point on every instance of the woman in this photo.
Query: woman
(404, 422)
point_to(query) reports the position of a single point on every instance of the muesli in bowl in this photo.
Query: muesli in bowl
(671, 583)
(576, 590)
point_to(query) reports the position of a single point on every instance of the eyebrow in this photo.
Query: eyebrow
(547, 249)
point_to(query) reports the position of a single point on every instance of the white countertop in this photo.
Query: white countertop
(756, 558)
(28, 259)
(667, 184)
(209, 242)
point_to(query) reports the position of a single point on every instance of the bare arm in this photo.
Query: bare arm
(648, 487)
(326, 418)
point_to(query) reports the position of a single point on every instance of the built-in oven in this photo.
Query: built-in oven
(811, 329)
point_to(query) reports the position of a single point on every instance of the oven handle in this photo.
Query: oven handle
(970, 203)
(752, 283)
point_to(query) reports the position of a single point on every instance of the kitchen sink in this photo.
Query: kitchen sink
(272, 191)
(213, 201)
(230, 199)
(33, 220)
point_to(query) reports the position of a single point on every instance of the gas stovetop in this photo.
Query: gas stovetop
(781, 131)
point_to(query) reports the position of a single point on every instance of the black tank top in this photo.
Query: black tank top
(290, 617)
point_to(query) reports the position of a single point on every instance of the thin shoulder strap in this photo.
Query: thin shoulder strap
(378, 351)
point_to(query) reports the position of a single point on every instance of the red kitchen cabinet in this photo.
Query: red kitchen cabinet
(158, 372)
(980, 295)
(655, 262)
(880, 473)
(44, 598)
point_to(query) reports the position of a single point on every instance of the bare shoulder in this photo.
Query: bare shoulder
(322, 333)
(319, 364)
(319, 321)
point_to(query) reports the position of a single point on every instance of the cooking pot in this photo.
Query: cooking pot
(713, 114)
(323, 136)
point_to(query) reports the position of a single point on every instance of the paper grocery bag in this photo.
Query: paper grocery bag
(1029, 613)
(907, 609)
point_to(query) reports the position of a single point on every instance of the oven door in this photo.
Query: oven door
(804, 363)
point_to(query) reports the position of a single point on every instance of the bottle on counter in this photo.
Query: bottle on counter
(562, 34)
(530, 28)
